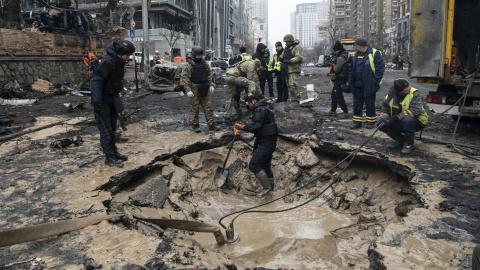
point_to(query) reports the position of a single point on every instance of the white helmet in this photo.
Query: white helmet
(157, 51)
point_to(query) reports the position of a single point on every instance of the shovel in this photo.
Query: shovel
(221, 174)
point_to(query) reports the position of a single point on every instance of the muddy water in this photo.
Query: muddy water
(296, 239)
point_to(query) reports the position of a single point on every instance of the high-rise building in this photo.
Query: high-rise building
(306, 20)
(259, 16)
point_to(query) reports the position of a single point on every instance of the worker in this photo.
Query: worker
(282, 90)
(157, 58)
(198, 83)
(106, 86)
(178, 59)
(402, 114)
(365, 78)
(240, 75)
(292, 58)
(243, 55)
(89, 60)
(265, 129)
(340, 70)
(400, 62)
(166, 57)
(268, 74)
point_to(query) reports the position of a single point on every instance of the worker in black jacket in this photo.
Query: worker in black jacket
(107, 83)
(265, 130)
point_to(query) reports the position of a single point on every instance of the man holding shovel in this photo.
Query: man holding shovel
(265, 130)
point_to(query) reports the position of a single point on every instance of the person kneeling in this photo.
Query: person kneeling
(402, 114)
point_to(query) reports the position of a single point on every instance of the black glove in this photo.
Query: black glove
(287, 62)
(390, 120)
(97, 109)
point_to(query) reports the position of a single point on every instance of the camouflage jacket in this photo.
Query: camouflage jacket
(297, 59)
(245, 69)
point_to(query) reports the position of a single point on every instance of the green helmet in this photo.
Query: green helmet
(288, 37)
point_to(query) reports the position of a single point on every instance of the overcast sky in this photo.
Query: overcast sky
(279, 17)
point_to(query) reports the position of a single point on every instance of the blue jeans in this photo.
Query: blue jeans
(107, 124)
(358, 100)
(262, 158)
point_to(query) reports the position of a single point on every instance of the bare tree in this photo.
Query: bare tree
(172, 36)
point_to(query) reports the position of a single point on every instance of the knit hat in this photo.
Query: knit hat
(338, 46)
(400, 85)
(361, 41)
(278, 43)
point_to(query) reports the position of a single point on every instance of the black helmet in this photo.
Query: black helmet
(123, 47)
(197, 50)
(252, 96)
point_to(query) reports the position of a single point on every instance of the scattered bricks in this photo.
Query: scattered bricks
(355, 208)
(339, 190)
(350, 175)
(43, 87)
(371, 198)
(335, 203)
(388, 206)
(350, 197)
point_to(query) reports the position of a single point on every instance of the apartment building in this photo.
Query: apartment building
(305, 21)
(259, 22)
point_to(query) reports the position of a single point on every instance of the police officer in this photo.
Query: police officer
(107, 83)
(268, 74)
(292, 58)
(243, 55)
(403, 115)
(265, 129)
(365, 78)
(240, 75)
(282, 91)
(197, 80)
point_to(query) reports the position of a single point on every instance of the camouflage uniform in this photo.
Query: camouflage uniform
(294, 69)
(239, 76)
(196, 100)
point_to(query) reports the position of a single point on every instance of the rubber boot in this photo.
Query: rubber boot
(271, 180)
(407, 144)
(263, 179)
(398, 140)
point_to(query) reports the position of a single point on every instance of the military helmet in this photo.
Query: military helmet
(157, 51)
(197, 50)
(124, 47)
(288, 37)
(252, 96)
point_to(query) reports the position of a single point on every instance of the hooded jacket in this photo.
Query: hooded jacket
(245, 69)
(108, 75)
(411, 106)
(297, 57)
(371, 79)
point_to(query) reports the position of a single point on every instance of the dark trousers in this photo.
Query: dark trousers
(268, 78)
(476, 258)
(337, 96)
(262, 157)
(407, 125)
(106, 124)
(358, 100)
(282, 89)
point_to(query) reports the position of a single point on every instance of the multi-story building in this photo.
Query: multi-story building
(259, 18)
(306, 19)
(402, 29)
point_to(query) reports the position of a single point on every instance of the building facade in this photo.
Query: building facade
(259, 22)
(306, 18)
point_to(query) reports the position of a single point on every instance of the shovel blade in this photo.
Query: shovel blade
(220, 177)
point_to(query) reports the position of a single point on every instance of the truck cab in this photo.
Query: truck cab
(447, 54)
(348, 44)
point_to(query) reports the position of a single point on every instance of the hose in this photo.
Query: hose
(313, 179)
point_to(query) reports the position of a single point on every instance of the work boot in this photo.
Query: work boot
(370, 125)
(343, 115)
(331, 113)
(356, 125)
(214, 127)
(397, 141)
(112, 161)
(407, 144)
(121, 157)
(197, 129)
(263, 179)
(272, 182)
